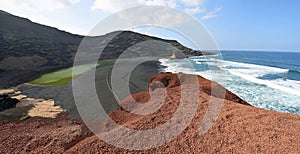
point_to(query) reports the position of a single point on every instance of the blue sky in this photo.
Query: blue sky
(235, 24)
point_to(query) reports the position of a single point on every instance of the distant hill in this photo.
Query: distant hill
(28, 49)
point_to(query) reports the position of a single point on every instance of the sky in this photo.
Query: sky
(260, 25)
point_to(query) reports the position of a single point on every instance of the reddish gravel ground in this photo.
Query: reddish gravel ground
(239, 128)
(38, 136)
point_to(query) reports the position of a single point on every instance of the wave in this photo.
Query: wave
(279, 92)
(176, 66)
(250, 72)
(251, 69)
(282, 85)
(290, 75)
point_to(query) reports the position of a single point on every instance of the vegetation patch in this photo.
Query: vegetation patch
(24, 117)
(65, 76)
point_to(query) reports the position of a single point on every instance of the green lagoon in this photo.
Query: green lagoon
(64, 76)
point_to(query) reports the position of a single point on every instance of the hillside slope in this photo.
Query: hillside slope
(239, 128)
(28, 49)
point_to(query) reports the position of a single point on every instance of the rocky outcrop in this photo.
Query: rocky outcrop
(7, 102)
(170, 80)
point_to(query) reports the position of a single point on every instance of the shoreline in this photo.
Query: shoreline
(236, 117)
(139, 82)
(139, 79)
(239, 127)
(253, 82)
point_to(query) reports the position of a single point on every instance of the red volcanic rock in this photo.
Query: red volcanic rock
(239, 127)
(170, 80)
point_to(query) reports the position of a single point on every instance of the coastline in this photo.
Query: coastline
(62, 92)
(139, 80)
(254, 82)
(238, 128)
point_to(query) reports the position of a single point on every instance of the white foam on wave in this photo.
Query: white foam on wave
(251, 72)
(176, 66)
(294, 81)
(251, 69)
(243, 79)
(276, 84)
(183, 66)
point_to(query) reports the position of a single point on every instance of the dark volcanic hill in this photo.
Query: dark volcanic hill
(28, 49)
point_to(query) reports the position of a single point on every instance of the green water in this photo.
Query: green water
(65, 76)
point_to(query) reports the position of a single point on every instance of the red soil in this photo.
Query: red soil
(239, 128)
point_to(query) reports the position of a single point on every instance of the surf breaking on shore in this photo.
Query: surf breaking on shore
(252, 82)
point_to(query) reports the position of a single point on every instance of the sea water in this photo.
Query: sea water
(269, 80)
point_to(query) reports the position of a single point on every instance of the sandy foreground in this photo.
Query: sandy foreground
(238, 128)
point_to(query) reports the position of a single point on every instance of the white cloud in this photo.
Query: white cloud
(160, 16)
(36, 6)
(212, 14)
(170, 3)
(44, 12)
(193, 2)
(194, 10)
(112, 6)
(59, 13)
(192, 7)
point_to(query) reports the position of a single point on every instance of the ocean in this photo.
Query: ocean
(269, 80)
